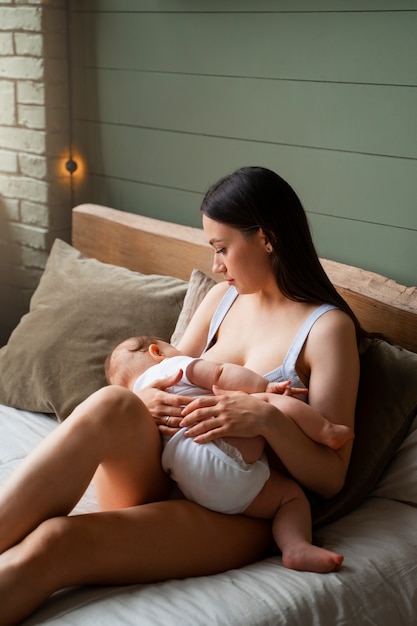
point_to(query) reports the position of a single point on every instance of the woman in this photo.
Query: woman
(273, 284)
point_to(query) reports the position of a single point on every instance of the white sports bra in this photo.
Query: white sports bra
(286, 371)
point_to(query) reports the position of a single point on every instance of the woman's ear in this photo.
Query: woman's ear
(156, 353)
(266, 242)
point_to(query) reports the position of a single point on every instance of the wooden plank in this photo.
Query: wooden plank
(154, 246)
(381, 305)
(141, 244)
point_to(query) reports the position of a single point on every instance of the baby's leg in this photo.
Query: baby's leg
(283, 500)
(251, 448)
(333, 436)
(312, 423)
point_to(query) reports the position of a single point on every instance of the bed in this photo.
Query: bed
(126, 273)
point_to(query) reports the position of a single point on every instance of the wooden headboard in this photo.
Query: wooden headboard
(150, 245)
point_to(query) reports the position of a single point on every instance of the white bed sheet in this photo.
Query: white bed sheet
(376, 586)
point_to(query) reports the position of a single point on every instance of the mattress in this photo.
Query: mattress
(376, 585)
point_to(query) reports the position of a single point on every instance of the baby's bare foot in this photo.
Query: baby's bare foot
(308, 558)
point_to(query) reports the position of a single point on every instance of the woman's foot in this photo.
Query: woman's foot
(308, 558)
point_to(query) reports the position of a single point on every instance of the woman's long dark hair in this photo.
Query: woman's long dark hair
(256, 197)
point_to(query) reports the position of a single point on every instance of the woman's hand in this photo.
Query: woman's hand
(166, 408)
(226, 414)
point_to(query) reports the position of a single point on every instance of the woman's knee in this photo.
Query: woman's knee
(48, 536)
(42, 546)
(50, 552)
(111, 406)
(116, 398)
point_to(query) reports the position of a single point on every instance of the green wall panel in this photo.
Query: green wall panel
(172, 205)
(387, 251)
(359, 187)
(343, 47)
(242, 6)
(169, 95)
(356, 118)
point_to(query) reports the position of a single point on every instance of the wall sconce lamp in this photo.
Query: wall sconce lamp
(71, 166)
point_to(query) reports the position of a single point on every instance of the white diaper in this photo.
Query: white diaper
(207, 475)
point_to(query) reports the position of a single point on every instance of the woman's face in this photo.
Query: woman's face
(241, 257)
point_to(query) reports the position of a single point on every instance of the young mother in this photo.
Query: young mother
(268, 315)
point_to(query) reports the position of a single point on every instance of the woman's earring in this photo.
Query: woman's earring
(269, 248)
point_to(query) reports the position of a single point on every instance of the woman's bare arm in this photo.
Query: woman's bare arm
(194, 339)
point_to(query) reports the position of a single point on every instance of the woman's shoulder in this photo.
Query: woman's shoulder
(218, 290)
(334, 320)
(333, 329)
(213, 298)
(195, 336)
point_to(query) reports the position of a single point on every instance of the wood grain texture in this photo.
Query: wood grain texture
(142, 244)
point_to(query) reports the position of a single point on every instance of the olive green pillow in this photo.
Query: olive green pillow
(80, 310)
(386, 406)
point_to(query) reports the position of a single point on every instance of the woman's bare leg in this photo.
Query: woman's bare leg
(113, 431)
(147, 543)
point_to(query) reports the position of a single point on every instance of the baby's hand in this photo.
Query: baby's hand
(285, 388)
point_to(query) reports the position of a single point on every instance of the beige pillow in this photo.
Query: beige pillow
(80, 310)
(198, 286)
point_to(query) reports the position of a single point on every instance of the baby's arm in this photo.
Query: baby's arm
(228, 376)
(233, 377)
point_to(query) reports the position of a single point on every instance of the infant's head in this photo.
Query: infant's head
(135, 355)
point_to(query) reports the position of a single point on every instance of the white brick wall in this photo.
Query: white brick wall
(30, 45)
(18, 18)
(30, 93)
(35, 202)
(8, 100)
(8, 162)
(6, 43)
